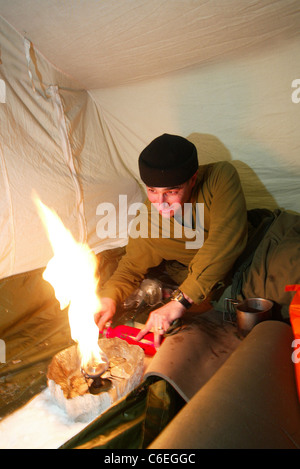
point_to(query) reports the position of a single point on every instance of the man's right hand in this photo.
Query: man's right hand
(106, 313)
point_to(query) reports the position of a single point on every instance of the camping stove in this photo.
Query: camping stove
(83, 392)
(93, 372)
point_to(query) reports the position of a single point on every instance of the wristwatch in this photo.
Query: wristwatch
(177, 295)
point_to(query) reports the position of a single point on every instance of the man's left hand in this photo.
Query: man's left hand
(161, 319)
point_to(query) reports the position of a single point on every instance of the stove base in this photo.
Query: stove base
(72, 392)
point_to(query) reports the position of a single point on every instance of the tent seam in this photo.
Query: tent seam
(67, 152)
(9, 198)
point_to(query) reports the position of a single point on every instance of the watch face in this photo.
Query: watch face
(179, 296)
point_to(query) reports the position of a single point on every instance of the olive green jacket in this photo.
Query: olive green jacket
(219, 228)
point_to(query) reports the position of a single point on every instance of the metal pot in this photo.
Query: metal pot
(249, 312)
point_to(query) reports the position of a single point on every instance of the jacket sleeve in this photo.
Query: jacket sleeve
(133, 266)
(227, 234)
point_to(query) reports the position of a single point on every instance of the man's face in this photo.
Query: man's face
(169, 199)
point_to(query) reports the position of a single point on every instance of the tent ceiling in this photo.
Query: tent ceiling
(105, 43)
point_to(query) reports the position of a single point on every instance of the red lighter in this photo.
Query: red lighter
(129, 333)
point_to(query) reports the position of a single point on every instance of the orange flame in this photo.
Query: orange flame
(72, 273)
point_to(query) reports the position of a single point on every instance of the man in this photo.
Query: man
(205, 200)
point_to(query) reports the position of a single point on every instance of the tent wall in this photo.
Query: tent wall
(51, 142)
(104, 44)
(241, 108)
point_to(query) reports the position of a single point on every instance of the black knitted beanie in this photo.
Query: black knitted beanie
(169, 160)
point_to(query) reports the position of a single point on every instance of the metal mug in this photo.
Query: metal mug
(249, 312)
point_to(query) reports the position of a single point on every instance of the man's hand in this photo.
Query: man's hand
(106, 313)
(161, 319)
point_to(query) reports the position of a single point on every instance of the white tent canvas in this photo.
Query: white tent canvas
(85, 85)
